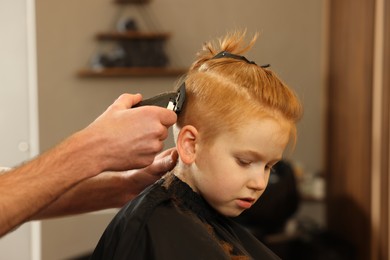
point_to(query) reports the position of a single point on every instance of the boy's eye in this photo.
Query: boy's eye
(243, 162)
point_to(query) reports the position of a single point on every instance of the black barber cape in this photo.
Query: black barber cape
(175, 223)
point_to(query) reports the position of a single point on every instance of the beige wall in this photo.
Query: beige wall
(291, 40)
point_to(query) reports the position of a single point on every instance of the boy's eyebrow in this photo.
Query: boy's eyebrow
(257, 155)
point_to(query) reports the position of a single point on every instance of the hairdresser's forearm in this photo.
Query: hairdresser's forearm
(107, 190)
(29, 188)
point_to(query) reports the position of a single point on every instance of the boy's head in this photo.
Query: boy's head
(236, 114)
(221, 93)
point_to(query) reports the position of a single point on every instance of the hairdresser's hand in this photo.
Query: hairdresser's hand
(129, 138)
(138, 180)
(109, 189)
(120, 139)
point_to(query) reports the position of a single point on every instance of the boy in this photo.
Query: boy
(235, 125)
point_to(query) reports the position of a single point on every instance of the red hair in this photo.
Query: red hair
(222, 93)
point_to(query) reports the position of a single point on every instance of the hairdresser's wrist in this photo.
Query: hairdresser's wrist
(83, 153)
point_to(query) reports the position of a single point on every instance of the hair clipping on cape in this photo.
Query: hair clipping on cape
(225, 54)
(171, 100)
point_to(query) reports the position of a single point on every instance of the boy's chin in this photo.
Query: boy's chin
(232, 214)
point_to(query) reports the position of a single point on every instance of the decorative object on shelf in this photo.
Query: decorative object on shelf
(133, 50)
(135, 53)
(116, 58)
(127, 25)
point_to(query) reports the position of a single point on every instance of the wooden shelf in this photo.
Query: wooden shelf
(132, 72)
(144, 44)
(132, 35)
(132, 1)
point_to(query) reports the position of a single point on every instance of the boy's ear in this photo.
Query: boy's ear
(186, 143)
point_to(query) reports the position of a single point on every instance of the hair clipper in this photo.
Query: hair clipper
(171, 100)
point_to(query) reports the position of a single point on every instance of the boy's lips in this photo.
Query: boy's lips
(245, 203)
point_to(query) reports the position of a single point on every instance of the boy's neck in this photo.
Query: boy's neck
(184, 173)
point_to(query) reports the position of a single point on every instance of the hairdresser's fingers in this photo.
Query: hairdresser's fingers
(139, 179)
(126, 101)
(167, 117)
(164, 162)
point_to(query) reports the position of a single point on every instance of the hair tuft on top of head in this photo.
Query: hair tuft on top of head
(233, 42)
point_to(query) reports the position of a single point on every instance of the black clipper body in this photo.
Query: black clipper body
(171, 100)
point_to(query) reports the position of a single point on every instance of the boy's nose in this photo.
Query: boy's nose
(258, 180)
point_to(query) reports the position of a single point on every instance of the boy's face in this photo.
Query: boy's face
(232, 173)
